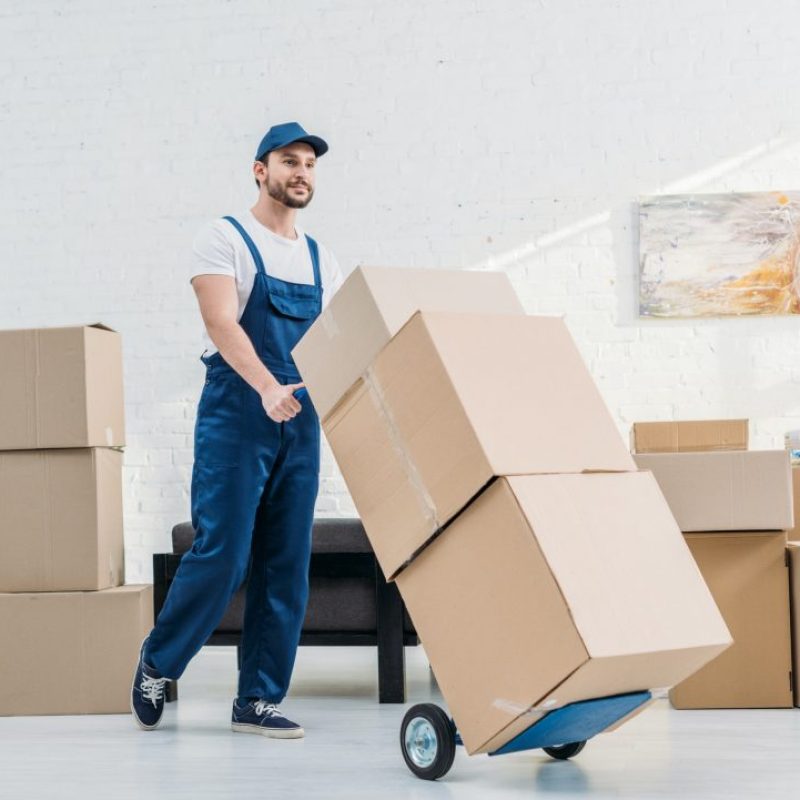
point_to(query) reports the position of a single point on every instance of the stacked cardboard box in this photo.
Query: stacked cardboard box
(69, 630)
(734, 506)
(689, 436)
(794, 532)
(793, 551)
(539, 567)
(794, 585)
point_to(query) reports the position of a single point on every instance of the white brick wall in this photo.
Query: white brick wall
(505, 135)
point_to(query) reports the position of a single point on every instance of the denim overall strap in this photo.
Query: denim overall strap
(278, 312)
(251, 246)
(314, 250)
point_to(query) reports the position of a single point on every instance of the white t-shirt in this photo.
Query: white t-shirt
(219, 249)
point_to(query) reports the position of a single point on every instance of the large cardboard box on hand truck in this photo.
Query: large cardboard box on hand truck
(62, 387)
(454, 400)
(551, 589)
(371, 306)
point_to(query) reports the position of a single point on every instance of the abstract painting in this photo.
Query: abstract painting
(709, 255)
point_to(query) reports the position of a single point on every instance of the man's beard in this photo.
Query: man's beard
(277, 192)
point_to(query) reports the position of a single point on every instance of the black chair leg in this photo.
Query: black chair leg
(391, 654)
(239, 657)
(171, 691)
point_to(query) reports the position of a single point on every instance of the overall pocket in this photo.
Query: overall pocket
(218, 429)
(297, 307)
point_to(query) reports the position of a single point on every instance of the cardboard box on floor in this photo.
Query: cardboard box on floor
(549, 589)
(454, 400)
(73, 652)
(60, 520)
(793, 551)
(62, 387)
(371, 307)
(747, 575)
(689, 436)
(725, 491)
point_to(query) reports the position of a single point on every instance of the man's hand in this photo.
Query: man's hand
(279, 402)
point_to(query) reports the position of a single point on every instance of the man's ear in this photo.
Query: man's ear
(259, 172)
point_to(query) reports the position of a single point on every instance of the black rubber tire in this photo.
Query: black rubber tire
(564, 751)
(445, 741)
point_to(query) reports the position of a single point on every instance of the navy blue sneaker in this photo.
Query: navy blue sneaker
(261, 717)
(147, 694)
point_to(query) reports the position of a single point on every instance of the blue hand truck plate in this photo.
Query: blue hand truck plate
(576, 722)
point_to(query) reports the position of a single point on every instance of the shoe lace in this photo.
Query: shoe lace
(270, 709)
(153, 689)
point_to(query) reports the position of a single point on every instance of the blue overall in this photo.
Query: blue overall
(254, 486)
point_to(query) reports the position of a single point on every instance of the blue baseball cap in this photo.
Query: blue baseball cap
(281, 135)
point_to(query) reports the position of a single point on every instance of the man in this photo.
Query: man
(260, 283)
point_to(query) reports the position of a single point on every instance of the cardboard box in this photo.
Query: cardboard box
(793, 551)
(454, 400)
(725, 491)
(747, 575)
(62, 387)
(551, 589)
(60, 520)
(794, 533)
(73, 652)
(689, 436)
(371, 307)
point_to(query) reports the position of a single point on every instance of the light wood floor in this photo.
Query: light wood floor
(351, 748)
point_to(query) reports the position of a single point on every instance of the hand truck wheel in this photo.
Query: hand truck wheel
(428, 741)
(564, 751)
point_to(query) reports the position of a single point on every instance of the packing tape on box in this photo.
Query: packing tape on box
(510, 707)
(426, 504)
